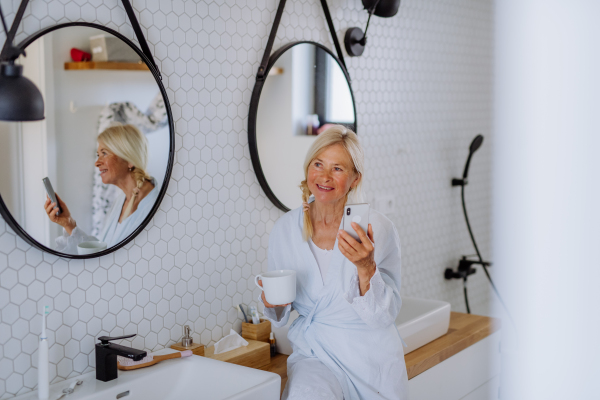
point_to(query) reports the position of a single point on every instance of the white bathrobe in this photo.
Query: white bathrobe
(113, 232)
(354, 336)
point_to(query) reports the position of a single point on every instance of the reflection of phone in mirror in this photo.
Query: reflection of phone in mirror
(51, 194)
(358, 213)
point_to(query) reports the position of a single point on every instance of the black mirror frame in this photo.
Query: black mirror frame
(16, 227)
(263, 72)
(254, 100)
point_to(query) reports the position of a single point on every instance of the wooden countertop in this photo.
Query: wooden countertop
(464, 330)
(279, 366)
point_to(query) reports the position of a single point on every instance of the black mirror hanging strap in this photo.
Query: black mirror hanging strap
(265, 60)
(336, 43)
(9, 52)
(138, 33)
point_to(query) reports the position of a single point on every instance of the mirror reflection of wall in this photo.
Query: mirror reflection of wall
(63, 146)
(305, 93)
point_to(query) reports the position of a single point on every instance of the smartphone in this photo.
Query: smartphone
(51, 194)
(358, 213)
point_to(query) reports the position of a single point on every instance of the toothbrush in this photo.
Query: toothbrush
(127, 364)
(254, 314)
(43, 384)
(241, 308)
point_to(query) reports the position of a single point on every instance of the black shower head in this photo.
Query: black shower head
(475, 145)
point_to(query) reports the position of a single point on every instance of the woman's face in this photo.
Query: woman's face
(112, 168)
(331, 174)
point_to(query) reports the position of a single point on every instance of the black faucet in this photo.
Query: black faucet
(106, 356)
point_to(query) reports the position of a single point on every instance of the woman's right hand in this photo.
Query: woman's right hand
(264, 300)
(64, 219)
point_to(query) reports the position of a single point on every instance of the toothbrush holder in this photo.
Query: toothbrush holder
(258, 332)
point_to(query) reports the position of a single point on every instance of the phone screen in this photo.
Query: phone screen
(51, 194)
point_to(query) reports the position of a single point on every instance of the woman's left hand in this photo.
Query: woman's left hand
(362, 255)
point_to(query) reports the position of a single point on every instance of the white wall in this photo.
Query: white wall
(423, 90)
(302, 73)
(10, 167)
(279, 118)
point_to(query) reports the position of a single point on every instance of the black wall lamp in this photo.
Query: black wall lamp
(355, 40)
(20, 99)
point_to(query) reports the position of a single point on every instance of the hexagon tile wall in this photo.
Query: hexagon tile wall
(423, 90)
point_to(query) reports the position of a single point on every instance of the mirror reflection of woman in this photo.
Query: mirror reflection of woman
(122, 161)
(345, 342)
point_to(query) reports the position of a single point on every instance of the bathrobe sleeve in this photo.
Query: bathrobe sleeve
(278, 316)
(379, 307)
(68, 243)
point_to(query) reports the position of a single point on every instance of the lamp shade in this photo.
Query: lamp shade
(385, 8)
(20, 99)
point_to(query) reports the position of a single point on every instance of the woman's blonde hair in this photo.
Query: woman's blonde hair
(337, 134)
(129, 144)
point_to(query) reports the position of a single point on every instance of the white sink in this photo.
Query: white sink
(421, 321)
(192, 377)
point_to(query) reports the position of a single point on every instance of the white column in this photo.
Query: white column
(546, 195)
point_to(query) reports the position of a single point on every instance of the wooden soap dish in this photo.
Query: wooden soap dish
(196, 348)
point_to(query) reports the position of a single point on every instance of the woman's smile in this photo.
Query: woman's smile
(324, 188)
(104, 173)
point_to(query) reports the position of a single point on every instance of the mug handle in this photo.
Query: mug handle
(256, 282)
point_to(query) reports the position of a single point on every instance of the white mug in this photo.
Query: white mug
(92, 247)
(279, 286)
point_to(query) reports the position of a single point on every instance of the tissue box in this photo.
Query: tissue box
(255, 355)
(110, 48)
(258, 332)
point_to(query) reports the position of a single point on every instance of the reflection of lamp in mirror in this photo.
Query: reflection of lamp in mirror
(355, 40)
(20, 99)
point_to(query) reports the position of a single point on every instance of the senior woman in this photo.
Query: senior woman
(122, 161)
(345, 343)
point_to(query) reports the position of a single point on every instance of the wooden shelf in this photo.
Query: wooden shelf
(107, 65)
(276, 71)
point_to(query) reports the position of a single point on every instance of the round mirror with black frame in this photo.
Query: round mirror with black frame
(305, 90)
(105, 148)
